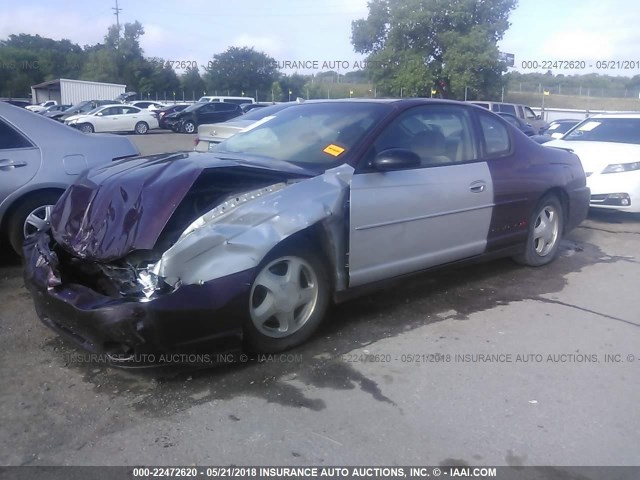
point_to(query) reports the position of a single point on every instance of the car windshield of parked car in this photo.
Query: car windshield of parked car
(94, 110)
(193, 107)
(75, 107)
(315, 136)
(618, 130)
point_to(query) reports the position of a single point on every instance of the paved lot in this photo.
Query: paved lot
(562, 402)
(160, 141)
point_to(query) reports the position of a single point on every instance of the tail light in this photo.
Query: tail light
(196, 141)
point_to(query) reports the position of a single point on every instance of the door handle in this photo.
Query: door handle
(6, 164)
(477, 187)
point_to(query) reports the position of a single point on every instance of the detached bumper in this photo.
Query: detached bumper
(203, 318)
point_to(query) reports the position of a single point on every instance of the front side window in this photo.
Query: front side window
(438, 134)
(495, 135)
(225, 107)
(504, 108)
(107, 112)
(529, 114)
(208, 108)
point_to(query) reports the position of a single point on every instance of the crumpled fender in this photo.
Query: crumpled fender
(240, 239)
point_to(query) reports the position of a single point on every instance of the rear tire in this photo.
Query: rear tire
(30, 216)
(288, 300)
(545, 232)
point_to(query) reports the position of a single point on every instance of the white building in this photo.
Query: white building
(70, 92)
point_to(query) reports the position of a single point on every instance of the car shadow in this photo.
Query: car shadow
(454, 294)
(613, 216)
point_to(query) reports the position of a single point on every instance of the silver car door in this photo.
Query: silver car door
(20, 160)
(407, 220)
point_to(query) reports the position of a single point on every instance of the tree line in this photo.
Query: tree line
(413, 48)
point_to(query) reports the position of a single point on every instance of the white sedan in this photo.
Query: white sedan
(609, 147)
(114, 118)
(41, 107)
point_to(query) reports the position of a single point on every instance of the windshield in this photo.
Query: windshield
(193, 107)
(314, 136)
(618, 130)
(75, 107)
(93, 111)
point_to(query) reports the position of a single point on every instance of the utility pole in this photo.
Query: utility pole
(117, 11)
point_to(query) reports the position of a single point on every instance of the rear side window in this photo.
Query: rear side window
(237, 101)
(508, 109)
(495, 135)
(11, 138)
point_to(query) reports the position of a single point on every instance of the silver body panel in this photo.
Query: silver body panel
(241, 238)
(409, 220)
(57, 156)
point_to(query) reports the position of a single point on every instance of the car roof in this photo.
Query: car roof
(116, 105)
(37, 127)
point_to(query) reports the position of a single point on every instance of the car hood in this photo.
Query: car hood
(595, 156)
(74, 117)
(111, 211)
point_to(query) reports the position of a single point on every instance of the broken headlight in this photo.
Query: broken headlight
(228, 205)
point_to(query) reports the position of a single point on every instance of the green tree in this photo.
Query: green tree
(191, 83)
(417, 45)
(239, 70)
(292, 86)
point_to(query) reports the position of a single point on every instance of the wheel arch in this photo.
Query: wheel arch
(563, 197)
(318, 238)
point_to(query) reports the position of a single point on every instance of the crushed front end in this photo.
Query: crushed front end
(118, 309)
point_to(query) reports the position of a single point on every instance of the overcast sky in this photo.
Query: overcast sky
(320, 30)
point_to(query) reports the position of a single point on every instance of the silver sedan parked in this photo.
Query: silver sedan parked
(39, 159)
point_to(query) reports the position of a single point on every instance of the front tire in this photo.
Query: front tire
(30, 217)
(141, 128)
(189, 127)
(287, 302)
(545, 232)
(86, 128)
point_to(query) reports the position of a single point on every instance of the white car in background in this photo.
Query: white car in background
(609, 147)
(114, 118)
(41, 107)
(148, 105)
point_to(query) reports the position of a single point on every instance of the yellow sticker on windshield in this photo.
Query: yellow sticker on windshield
(334, 150)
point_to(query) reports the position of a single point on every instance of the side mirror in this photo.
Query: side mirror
(538, 117)
(396, 159)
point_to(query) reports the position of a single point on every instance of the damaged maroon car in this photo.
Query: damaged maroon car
(251, 242)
